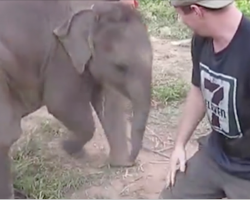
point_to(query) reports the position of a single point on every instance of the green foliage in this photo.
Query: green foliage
(157, 9)
(172, 92)
(40, 177)
(162, 19)
(244, 6)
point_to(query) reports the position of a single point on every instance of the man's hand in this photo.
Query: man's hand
(177, 160)
(133, 3)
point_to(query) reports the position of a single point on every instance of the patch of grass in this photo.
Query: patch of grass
(41, 173)
(40, 176)
(162, 19)
(172, 92)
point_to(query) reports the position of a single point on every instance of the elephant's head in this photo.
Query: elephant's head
(111, 40)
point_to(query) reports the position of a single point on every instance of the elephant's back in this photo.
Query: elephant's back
(25, 30)
(26, 36)
(28, 21)
(24, 15)
(31, 12)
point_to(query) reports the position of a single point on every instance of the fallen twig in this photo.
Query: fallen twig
(158, 162)
(127, 186)
(181, 42)
(154, 134)
(126, 174)
(156, 152)
(141, 167)
(166, 149)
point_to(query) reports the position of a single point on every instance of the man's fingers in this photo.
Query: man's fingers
(173, 172)
(173, 177)
(168, 178)
(178, 161)
(182, 165)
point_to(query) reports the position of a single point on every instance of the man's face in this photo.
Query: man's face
(194, 19)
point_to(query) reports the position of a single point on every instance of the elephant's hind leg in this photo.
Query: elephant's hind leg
(10, 131)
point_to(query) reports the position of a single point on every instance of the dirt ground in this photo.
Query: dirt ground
(147, 178)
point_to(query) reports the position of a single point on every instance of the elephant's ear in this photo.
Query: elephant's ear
(74, 36)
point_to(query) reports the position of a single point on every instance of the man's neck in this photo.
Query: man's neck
(226, 27)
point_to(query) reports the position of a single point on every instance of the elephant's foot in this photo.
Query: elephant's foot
(120, 162)
(6, 184)
(11, 194)
(72, 147)
(19, 195)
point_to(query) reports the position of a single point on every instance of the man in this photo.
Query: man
(221, 89)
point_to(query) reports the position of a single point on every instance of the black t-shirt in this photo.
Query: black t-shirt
(224, 79)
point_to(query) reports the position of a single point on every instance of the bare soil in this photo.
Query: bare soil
(147, 178)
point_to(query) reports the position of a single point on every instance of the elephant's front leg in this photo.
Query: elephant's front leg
(77, 117)
(6, 187)
(109, 107)
(68, 100)
(10, 131)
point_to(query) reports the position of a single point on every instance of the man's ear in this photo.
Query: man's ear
(74, 36)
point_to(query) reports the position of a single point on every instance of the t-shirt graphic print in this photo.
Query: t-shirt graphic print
(219, 92)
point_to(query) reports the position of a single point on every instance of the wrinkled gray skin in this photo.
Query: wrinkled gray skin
(69, 61)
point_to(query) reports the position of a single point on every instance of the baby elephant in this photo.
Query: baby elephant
(70, 62)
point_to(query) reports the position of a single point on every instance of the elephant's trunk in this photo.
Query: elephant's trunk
(139, 122)
(140, 95)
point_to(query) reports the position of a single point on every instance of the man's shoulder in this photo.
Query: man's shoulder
(246, 22)
(197, 40)
(197, 44)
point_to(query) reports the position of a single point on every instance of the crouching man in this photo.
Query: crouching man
(221, 90)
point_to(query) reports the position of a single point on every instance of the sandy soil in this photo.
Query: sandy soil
(147, 179)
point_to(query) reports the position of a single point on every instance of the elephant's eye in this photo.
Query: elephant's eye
(121, 68)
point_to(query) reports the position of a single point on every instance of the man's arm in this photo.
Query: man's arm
(194, 112)
(194, 109)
